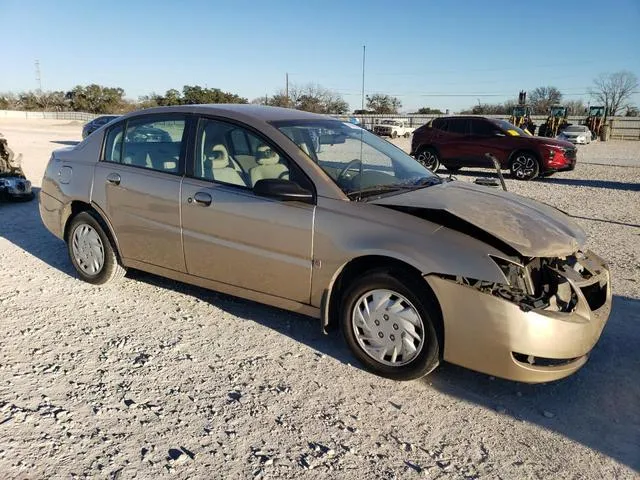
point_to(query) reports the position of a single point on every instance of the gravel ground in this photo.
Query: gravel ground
(151, 378)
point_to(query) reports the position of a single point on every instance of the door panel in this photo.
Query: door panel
(144, 211)
(248, 241)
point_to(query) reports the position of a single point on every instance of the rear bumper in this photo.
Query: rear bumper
(51, 213)
(495, 336)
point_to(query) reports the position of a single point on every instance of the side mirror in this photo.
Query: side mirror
(281, 189)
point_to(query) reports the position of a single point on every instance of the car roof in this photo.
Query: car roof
(256, 112)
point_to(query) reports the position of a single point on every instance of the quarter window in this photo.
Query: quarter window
(113, 144)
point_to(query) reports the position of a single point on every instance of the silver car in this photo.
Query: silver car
(577, 134)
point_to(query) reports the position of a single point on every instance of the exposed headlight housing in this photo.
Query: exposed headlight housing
(517, 275)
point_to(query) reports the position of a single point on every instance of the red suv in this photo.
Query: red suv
(457, 142)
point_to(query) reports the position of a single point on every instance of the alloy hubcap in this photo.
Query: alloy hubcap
(523, 166)
(428, 159)
(388, 327)
(87, 248)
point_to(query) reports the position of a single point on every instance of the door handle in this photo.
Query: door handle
(203, 199)
(113, 178)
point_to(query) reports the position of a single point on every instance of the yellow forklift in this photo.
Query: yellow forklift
(596, 119)
(521, 115)
(555, 123)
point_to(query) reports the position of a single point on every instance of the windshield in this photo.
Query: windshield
(390, 122)
(359, 162)
(511, 129)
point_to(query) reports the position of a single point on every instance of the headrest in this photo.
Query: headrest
(266, 156)
(218, 156)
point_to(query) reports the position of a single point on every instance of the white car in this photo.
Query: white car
(578, 134)
(393, 129)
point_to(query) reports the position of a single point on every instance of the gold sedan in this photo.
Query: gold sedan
(318, 216)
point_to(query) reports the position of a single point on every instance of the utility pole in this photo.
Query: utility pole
(38, 78)
(286, 88)
(364, 51)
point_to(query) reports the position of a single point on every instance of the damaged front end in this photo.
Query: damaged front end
(547, 283)
(539, 325)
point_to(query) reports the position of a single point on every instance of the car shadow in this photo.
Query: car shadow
(20, 223)
(597, 406)
(66, 142)
(593, 183)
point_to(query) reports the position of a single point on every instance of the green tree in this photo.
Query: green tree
(383, 104)
(95, 98)
(429, 111)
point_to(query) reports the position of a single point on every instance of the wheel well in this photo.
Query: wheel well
(77, 207)
(363, 265)
(427, 147)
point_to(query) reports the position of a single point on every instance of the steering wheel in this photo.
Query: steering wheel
(349, 166)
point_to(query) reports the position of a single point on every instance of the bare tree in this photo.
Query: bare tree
(382, 103)
(575, 107)
(614, 90)
(543, 97)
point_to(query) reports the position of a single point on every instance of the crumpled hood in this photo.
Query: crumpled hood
(529, 227)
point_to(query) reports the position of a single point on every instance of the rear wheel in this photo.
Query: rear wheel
(407, 134)
(91, 251)
(524, 166)
(429, 158)
(394, 134)
(390, 325)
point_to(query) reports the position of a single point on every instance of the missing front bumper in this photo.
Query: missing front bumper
(492, 334)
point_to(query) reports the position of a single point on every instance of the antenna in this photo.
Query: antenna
(38, 78)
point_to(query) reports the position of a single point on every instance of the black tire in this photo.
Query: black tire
(429, 158)
(111, 269)
(407, 135)
(394, 134)
(524, 166)
(452, 169)
(416, 292)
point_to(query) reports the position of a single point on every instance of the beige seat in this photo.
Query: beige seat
(269, 166)
(217, 166)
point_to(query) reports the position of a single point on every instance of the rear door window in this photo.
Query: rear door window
(155, 143)
(459, 126)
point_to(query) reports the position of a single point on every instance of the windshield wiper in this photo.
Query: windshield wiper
(379, 189)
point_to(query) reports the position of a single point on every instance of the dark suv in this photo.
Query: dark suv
(96, 123)
(457, 142)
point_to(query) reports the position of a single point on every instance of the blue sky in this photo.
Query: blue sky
(445, 54)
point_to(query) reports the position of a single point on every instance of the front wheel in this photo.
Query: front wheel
(429, 158)
(394, 134)
(524, 166)
(390, 325)
(407, 134)
(91, 251)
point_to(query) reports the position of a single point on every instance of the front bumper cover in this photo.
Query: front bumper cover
(493, 335)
